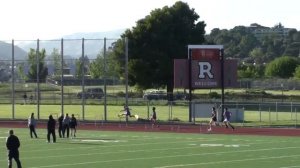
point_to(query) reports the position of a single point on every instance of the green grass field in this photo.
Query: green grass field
(252, 117)
(94, 149)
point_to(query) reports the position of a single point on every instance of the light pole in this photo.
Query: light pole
(282, 93)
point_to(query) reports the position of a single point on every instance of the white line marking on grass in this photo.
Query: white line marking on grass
(104, 153)
(290, 167)
(109, 146)
(169, 156)
(219, 145)
(98, 140)
(135, 144)
(169, 166)
(229, 161)
(234, 146)
(211, 145)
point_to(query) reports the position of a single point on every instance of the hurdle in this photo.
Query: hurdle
(99, 118)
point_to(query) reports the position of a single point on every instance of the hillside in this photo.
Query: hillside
(73, 43)
(6, 52)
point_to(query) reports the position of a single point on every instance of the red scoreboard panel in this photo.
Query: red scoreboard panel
(205, 68)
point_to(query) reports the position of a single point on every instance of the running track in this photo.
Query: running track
(179, 128)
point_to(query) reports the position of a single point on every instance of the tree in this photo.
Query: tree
(283, 67)
(238, 42)
(82, 66)
(297, 72)
(293, 49)
(20, 71)
(56, 61)
(97, 66)
(292, 43)
(32, 60)
(257, 55)
(156, 40)
(250, 71)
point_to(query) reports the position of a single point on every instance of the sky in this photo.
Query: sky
(49, 19)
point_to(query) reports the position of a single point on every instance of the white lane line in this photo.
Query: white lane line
(103, 153)
(115, 146)
(174, 156)
(229, 161)
(290, 167)
(92, 148)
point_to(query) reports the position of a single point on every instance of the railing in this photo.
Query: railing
(255, 114)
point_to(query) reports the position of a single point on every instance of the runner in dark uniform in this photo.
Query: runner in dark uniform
(153, 117)
(213, 119)
(227, 115)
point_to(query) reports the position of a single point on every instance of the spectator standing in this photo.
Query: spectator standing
(51, 129)
(12, 145)
(60, 125)
(66, 125)
(25, 98)
(73, 125)
(32, 125)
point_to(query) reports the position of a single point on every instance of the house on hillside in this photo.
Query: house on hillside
(260, 31)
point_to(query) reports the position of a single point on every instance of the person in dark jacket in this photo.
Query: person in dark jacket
(73, 125)
(12, 145)
(51, 129)
(60, 125)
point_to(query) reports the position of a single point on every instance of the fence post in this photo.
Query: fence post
(296, 117)
(237, 111)
(259, 113)
(38, 78)
(148, 110)
(170, 115)
(194, 118)
(291, 111)
(13, 78)
(270, 116)
(244, 116)
(171, 108)
(276, 111)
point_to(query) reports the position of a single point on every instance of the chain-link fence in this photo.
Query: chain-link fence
(275, 114)
(79, 76)
(58, 73)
